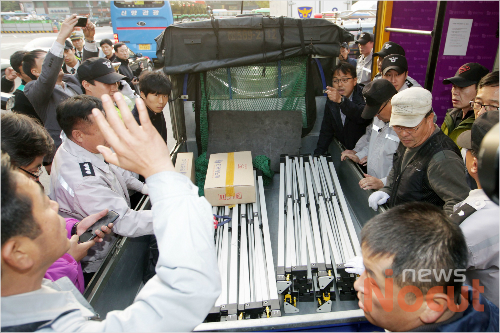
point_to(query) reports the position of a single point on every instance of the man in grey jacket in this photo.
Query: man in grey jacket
(187, 280)
(377, 147)
(478, 217)
(49, 85)
(82, 182)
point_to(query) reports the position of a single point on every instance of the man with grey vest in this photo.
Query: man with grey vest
(478, 215)
(427, 165)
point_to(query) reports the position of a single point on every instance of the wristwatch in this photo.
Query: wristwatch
(73, 229)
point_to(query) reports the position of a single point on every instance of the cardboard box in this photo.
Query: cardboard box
(230, 179)
(185, 164)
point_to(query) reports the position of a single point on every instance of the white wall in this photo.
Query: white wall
(279, 8)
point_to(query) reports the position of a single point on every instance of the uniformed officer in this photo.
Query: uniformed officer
(71, 62)
(83, 183)
(478, 216)
(77, 40)
(377, 147)
(427, 165)
(364, 66)
(395, 69)
(392, 48)
(187, 281)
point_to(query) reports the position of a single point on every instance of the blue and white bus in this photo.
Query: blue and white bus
(138, 23)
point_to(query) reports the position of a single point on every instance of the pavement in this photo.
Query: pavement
(14, 42)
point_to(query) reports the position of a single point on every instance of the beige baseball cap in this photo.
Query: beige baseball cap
(410, 106)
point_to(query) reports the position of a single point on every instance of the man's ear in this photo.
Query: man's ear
(35, 72)
(474, 166)
(435, 306)
(77, 135)
(85, 85)
(406, 75)
(143, 96)
(16, 254)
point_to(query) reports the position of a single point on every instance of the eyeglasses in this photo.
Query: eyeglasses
(409, 130)
(343, 80)
(34, 175)
(479, 106)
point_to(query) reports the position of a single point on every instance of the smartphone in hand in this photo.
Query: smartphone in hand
(88, 235)
(82, 21)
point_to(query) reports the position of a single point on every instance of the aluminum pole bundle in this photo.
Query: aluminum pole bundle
(316, 234)
(246, 265)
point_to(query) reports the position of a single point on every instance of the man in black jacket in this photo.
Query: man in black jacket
(155, 89)
(343, 109)
(122, 54)
(427, 165)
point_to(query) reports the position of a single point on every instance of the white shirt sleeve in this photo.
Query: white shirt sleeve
(91, 47)
(57, 49)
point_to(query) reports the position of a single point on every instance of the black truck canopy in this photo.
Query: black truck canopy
(204, 45)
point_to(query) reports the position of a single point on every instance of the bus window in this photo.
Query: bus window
(138, 23)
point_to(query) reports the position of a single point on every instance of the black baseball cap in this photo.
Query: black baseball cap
(467, 75)
(344, 44)
(394, 61)
(376, 93)
(99, 69)
(364, 38)
(390, 48)
(482, 125)
(68, 45)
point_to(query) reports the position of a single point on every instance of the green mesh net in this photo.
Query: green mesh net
(279, 85)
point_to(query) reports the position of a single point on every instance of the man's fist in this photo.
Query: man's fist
(333, 95)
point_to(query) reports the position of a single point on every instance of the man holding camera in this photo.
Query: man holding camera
(49, 85)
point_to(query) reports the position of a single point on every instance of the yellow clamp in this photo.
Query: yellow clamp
(319, 301)
(288, 277)
(288, 298)
(329, 273)
(268, 312)
(295, 301)
(325, 297)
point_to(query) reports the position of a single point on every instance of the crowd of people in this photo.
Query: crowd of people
(100, 134)
(387, 125)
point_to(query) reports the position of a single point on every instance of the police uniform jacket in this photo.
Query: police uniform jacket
(84, 184)
(379, 143)
(480, 228)
(409, 82)
(177, 299)
(364, 69)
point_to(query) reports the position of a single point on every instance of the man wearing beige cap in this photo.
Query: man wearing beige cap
(428, 165)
